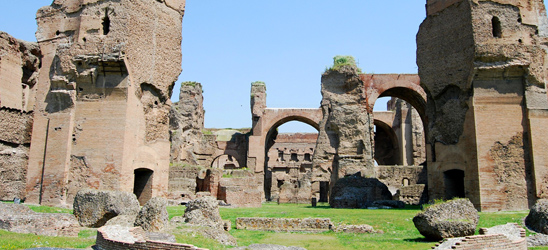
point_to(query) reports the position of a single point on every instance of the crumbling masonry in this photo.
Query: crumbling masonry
(95, 93)
(102, 101)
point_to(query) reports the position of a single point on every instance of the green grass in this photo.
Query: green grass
(9, 240)
(397, 224)
(51, 210)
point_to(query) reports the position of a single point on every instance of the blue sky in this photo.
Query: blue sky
(285, 43)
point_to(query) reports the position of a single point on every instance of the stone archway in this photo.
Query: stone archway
(387, 151)
(266, 124)
(286, 163)
(226, 161)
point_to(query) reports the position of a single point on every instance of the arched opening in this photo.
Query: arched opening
(403, 110)
(142, 185)
(497, 29)
(225, 162)
(454, 183)
(289, 148)
(387, 150)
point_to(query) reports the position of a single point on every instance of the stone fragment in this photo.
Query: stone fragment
(537, 219)
(125, 220)
(94, 208)
(204, 211)
(153, 216)
(359, 229)
(454, 218)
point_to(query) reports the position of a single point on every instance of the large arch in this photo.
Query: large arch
(404, 86)
(270, 141)
(266, 125)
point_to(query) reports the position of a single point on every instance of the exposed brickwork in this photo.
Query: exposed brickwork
(103, 242)
(494, 241)
(488, 241)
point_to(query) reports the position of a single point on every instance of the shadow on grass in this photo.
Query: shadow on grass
(420, 240)
(407, 208)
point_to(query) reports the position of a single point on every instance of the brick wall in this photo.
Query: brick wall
(103, 242)
(488, 241)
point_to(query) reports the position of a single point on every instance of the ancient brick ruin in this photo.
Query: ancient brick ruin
(482, 65)
(102, 98)
(88, 106)
(19, 65)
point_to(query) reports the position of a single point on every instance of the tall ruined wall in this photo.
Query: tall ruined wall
(344, 145)
(103, 96)
(186, 120)
(19, 66)
(482, 64)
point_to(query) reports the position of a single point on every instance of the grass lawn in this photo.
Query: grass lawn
(397, 224)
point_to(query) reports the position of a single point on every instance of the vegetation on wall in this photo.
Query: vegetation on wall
(340, 61)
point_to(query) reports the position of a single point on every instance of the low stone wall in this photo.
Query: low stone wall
(506, 239)
(18, 218)
(135, 241)
(285, 224)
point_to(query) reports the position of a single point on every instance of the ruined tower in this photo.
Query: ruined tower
(483, 67)
(345, 140)
(101, 115)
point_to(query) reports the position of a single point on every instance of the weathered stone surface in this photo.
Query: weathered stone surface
(153, 216)
(13, 171)
(94, 208)
(359, 229)
(177, 224)
(537, 219)
(285, 224)
(186, 122)
(19, 67)
(125, 220)
(119, 237)
(19, 218)
(104, 91)
(454, 218)
(486, 117)
(204, 211)
(11, 209)
(357, 192)
(346, 130)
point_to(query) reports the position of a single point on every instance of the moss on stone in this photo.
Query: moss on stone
(189, 83)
